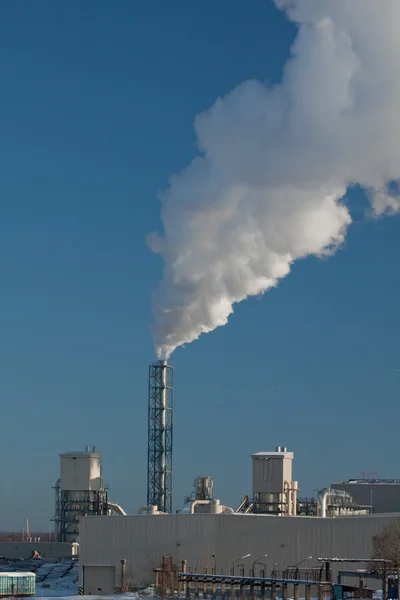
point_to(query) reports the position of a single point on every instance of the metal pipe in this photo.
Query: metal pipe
(149, 509)
(295, 487)
(322, 501)
(163, 423)
(221, 507)
(227, 509)
(123, 570)
(287, 488)
(117, 508)
(199, 502)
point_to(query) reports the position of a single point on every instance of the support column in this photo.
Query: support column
(158, 583)
(263, 590)
(233, 590)
(296, 591)
(123, 570)
(252, 595)
(284, 591)
(328, 572)
(241, 592)
(385, 584)
(273, 591)
(214, 589)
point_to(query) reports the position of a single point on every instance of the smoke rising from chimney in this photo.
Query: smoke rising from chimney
(275, 162)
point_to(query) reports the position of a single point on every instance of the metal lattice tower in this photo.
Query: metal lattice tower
(159, 457)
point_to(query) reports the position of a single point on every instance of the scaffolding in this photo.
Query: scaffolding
(159, 458)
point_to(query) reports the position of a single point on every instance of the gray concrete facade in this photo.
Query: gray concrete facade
(143, 539)
(15, 550)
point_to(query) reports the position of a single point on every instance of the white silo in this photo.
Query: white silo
(79, 491)
(273, 489)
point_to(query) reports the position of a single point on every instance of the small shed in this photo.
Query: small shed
(17, 584)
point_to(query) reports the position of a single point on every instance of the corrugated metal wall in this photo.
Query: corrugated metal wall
(142, 540)
(383, 497)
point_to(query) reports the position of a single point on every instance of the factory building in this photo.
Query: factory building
(273, 523)
(142, 540)
(382, 494)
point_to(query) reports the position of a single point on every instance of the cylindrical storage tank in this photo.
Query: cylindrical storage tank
(215, 507)
(265, 502)
(203, 488)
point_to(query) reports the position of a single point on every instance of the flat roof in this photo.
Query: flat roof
(368, 482)
(272, 455)
(201, 516)
(16, 574)
(83, 454)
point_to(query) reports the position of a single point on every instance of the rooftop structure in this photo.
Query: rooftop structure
(80, 491)
(382, 494)
(273, 489)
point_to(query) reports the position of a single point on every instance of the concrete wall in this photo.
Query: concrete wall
(143, 539)
(15, 550)
(385, 498)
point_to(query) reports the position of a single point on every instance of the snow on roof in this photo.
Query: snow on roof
(17, 574)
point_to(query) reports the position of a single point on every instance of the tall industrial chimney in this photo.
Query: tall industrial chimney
(159, 459)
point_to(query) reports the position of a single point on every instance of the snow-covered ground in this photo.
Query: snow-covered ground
(60, 578)
(56, 579)
(144, 595)
(53, 594)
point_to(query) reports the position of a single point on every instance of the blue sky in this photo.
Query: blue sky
(98, 102)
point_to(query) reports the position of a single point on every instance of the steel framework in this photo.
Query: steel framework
(159, 457)
(70, 505)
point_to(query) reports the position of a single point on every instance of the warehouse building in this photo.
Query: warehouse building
(382, 494)
(272, 523)
(142, 540)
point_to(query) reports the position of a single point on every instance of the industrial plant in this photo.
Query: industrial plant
(205, 535)
(273, 521)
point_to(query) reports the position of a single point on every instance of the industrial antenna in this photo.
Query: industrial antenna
(159, 457)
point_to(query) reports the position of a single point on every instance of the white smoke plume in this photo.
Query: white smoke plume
(275, 163)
